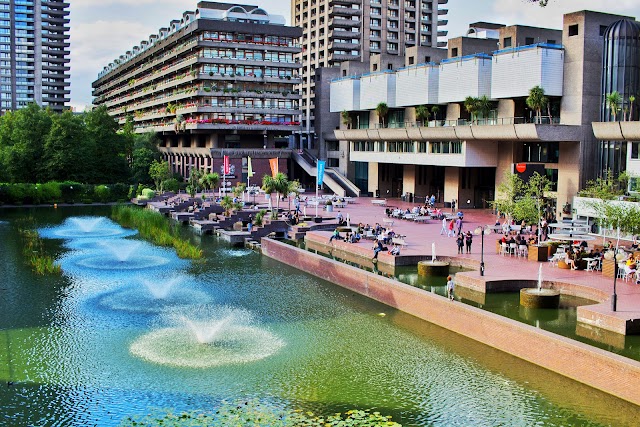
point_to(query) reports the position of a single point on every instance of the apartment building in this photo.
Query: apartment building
(219, 81)
(335, 31)
(34, 54)
(460, 156)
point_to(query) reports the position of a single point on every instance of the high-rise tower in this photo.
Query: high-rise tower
(34, 54)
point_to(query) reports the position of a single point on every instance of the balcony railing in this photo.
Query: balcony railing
(545, 120)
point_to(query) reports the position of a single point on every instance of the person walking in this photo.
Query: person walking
(460, 243)
(450, 232)
(453, 205)
(450, 286)
(459, 225)
(468, 239)
(444, 226)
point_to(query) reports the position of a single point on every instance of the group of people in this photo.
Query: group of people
(450, 226)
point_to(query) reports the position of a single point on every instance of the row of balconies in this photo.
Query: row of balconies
(197, 92)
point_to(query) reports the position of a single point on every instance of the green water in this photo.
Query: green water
(66, 344)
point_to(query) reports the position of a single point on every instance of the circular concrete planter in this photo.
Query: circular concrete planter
(539, 298)
(433, 268)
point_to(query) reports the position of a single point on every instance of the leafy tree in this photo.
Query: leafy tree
(537, 101)
(422, 114)
(110, 148)
(144, 153)
(435, 110)
(159, 172)
(193, 183)
(541, 3)
(209, 181)
(484, 106)
(606, 187)
(229, 205)
(278, 184)
(346, 118)
(471, 105)
(382, 109)
(66, 152)
(22, 139)
(632, 100)
(613, 101)
(508, 192)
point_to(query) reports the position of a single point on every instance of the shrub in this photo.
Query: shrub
(102, 193)
(49, 192)
(148, 193)
(119, 191)
(171, 184)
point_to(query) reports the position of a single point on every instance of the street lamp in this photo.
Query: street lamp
(614, 297)
(482, 230)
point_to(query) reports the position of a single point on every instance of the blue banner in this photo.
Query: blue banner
(320, 168)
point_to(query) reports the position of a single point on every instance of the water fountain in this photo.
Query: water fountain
(121, 254)
(85, 227)
(433, 267)
(539, 297)
(160, 289)
(207, 337)
(87, 224)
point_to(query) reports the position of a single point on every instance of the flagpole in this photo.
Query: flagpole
(317, 201)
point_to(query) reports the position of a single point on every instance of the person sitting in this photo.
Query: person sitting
(340, 218)
(395, 250)
(347, 237)
(635, 243)
(335, 235)
(631, 263)
(568, 259)
(377, 248)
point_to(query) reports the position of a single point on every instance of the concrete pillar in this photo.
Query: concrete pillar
(453, 111)
(409, 179)
(373, 178)
(451, 184)
(506, 109)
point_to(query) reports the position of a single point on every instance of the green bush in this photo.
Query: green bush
(119, 190)
(71, 191)
(148, 193)
(102, 193)
(49, 192)
(171, 184)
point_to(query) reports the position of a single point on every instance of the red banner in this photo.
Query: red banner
(226, 168)
(274, 166)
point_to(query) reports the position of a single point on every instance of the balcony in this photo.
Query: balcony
(503, 129)
(616, 131)
(345, 11)
(343, 23)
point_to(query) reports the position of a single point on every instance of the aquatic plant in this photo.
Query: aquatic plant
(154, 227)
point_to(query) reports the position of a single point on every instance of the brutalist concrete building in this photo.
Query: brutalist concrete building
(221, 80)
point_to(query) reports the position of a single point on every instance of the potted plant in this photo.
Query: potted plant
(329, 206)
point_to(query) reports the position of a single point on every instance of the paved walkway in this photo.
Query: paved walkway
(420, 236)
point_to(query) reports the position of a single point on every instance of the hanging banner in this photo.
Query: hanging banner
(227, 168)
(274, 166)
(320, 168)
(249, 168)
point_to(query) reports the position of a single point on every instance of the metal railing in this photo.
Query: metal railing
(544, 120)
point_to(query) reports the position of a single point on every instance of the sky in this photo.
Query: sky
(102, 31)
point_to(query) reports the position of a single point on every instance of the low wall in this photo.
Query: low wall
(597, 368)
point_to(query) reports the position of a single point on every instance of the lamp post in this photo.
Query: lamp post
(614, 297)
(482, 230)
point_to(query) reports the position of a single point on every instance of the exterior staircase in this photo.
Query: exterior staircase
(333, 179)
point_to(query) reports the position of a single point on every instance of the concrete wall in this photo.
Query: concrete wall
(417, 85)
(459, 79)
(597, 368)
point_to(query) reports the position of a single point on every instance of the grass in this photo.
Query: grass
(33, 250)
(154, 227)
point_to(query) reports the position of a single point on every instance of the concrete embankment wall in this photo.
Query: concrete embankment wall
(597, 368)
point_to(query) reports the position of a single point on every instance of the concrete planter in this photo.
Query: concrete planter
(538, 253)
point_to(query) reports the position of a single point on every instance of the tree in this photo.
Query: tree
(382, 109)
(229, 205)
(22, 139)
(507, 194)
(632, 100)
(346, 119)
(193, 183)
(278, 184)
(541, 3)
(613, 101)
(537, 101)
(471, 105)
(66, 152)
(606, 187)
(484, 106)
(209, 180)
(422, 114)
(144, 153)
(109, 148)
(159, 172)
